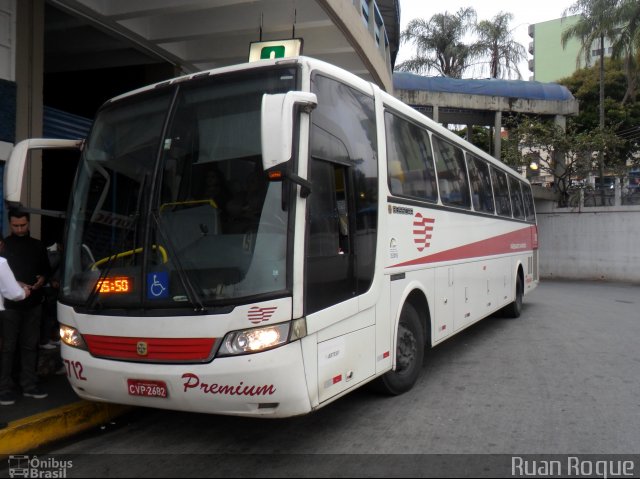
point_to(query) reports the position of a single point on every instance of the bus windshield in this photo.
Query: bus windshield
(171, 207)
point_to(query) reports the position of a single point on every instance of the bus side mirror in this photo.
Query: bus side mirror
(277, 123)
(14, 168)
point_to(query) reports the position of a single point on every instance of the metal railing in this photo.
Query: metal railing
(590, 196)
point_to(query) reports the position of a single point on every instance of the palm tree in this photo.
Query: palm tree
(627, 44)
(496, 42)
(597, 21)
(439, 43)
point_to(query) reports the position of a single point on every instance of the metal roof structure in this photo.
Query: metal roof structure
(530, 90)
(483, 102)
(361, 36)
(476, 102)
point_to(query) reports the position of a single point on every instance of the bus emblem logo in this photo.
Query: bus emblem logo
(141, 348)
(422, 228)
(259, 315)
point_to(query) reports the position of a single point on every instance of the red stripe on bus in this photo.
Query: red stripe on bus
(513, 242)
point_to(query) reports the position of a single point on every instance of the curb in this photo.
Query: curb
(35, 431)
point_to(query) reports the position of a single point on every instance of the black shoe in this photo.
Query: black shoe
(7, 398)
(35, 392)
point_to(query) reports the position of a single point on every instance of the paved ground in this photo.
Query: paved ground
(562, 379)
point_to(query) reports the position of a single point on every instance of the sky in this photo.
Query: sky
(525, 13)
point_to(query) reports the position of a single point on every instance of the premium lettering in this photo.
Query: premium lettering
(192, 381)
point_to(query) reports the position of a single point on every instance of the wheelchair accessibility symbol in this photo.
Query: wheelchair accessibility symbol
(158, 285)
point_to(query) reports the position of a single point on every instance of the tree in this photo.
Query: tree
(567, 156)
(597, 21)
(627, 44)
(496, 42)
(439, 43)
(622, 117)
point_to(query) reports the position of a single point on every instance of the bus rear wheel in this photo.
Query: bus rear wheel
(514, 309)
(409, 354)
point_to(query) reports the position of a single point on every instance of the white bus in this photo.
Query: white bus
(261, 239)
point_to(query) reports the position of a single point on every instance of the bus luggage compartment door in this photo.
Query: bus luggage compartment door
(345, 361)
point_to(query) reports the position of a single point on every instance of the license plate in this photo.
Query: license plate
(147, 388)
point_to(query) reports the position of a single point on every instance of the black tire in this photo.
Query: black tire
(409, 355)
(514, 309)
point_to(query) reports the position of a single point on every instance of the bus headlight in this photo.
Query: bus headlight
(260, 339)
(72, 337)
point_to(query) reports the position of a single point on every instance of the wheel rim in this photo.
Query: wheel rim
(407, 349)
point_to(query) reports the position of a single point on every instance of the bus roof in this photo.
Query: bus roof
(363, 85)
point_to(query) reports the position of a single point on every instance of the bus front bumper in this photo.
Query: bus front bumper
(271, 383)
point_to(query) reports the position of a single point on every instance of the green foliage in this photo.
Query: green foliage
(496, 43)
(480, 137)
(441, 46)
(621, 118)
(566, 156)
(439, 43)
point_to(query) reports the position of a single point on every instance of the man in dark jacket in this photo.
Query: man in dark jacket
(28, 260)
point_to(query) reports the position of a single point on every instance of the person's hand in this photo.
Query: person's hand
(27, 291)
(39, 283)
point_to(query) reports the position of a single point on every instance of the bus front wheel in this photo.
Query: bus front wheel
(409, 354)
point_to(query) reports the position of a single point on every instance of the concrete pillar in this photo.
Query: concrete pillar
(7, 78)
(469, 133)
(29, 80)
(497, 137)
(436, 114)
(558, 157)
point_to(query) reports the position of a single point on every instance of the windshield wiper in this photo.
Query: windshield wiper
(192, 294)
(93, 296)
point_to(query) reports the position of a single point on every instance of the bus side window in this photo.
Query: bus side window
(480, 184)
(411, 171)
(452, 174)
(516, 198)
(501, 192)
(528, 202)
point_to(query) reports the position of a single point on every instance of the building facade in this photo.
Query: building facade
(551, 62)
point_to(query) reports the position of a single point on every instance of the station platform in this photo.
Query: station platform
(33, 423)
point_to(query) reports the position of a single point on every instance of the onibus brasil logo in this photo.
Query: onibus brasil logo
(38, 467)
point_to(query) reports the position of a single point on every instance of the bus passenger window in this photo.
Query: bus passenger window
(452, 174)
(409, 160)
(516, 198)
(480, 184)
(528, 202)
(501, 192)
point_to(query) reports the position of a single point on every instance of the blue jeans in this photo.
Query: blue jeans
(20, 332)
